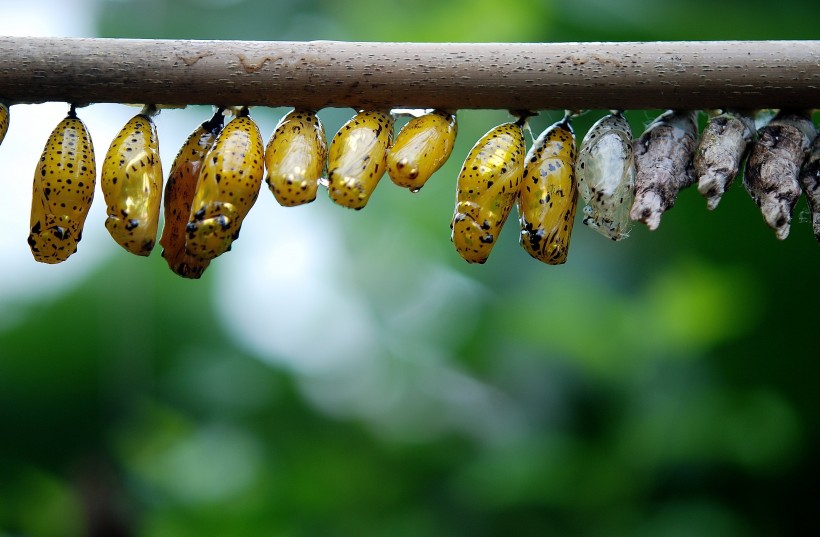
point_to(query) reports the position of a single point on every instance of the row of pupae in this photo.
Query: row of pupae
(214, 181)
(624, 180)
(216, 177)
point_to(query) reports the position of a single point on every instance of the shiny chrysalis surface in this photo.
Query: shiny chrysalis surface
(663, 164)
(422, 146)
(63, 191)
(228, 186)
(4, 121)
(773, 167)
(549, 195)
(606, 176)
(179, 195)
(810, 179)
(131, 182)
(357, 158)
(486, 191)
(295, 158)
(720, 151)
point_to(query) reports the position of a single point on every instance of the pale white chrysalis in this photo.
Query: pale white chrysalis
(606, 176)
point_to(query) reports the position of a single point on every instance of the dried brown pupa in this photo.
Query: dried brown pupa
(773, 167)
(720, 151)
(663, 164)
(810, 178)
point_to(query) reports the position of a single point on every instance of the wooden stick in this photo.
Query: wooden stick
(318, 74)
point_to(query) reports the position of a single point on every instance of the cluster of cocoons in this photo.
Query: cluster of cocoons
(624, 180)
(216, 177)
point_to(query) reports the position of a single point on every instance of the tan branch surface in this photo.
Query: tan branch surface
(318, 74)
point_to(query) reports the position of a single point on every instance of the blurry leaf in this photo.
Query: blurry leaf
(41, 505)
(694, 517)
(756, 430)
(430, 20)
(686, 308)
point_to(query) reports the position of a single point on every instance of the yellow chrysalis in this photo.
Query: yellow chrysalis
(179, 195)
(549, 195)
(357, 158)
(131, 182)
(295, 158)
(227, 189)
(63, 191)
(487, 188)
(422, 146)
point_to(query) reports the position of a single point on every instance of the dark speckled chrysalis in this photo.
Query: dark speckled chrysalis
(549, 194)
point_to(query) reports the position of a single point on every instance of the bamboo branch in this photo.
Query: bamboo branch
(318, 74)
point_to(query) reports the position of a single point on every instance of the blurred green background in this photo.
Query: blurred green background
(345, 373)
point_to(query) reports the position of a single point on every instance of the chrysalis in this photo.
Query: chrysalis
(773, 167)
(63, 191)
(357, 158)
(663, 164)
(720, 151)
(422, 146)
(295, 157)
(606, 176)
(487, 189)
(131, 182)
(810, 177)
(549, 195)
(228, 186)
(179, 195)
(4, 121)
